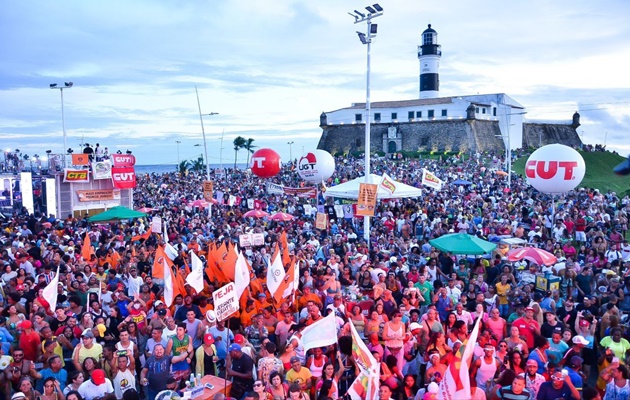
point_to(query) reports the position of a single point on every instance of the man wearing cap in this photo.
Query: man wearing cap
(96, 387)
(87, 348)
(573, 369)
(300, 375)
(239, 367)
(29, 340)
(579, 342)
(533, 379)
(560, 387)
(528, 327)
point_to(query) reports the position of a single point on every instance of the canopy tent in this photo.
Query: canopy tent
(462, 243)
(461, 182)
(116, 214)
(350, 189)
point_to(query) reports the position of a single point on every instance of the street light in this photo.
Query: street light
(290, 148)
(66, 85)
(203, 132)
(366, 38)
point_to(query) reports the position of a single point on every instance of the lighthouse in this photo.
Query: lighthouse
(429, 54)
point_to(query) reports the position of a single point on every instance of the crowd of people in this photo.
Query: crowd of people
(111, 335)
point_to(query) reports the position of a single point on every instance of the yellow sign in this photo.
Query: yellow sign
(366, 203)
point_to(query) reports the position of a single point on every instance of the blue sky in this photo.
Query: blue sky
(269, 69)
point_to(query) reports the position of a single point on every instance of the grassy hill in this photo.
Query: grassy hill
(599, 174)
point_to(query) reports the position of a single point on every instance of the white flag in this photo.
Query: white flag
(169, 294)
(241, 274)
(430, 180)
(195, 278)
(296, 281)
(455, 384)
(275, 273)
(50, 292)
(321, 333)
(164, 233)
(170, 251)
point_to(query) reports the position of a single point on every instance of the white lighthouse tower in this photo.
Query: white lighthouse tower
(429, 54)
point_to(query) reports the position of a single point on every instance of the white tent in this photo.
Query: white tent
(350, 189)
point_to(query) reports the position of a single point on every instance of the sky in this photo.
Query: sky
(270, 68)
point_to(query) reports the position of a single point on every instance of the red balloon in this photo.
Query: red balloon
(265, 163)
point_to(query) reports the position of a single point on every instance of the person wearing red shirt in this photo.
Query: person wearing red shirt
(29, 341)
(528, 327)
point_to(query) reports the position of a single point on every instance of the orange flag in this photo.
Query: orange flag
(86, 249)
(229, 262)
(286, 286)
(158, 263)
(144, 236)
(180, 284)
(214, 270)
(286, 257)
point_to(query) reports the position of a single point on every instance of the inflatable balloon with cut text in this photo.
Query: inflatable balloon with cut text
(555, 169)
(265, 163)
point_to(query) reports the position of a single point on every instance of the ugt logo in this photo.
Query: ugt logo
(307, 162)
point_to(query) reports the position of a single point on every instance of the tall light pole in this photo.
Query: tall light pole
(66, 85)
(366, 38)
(178, 142)
(203, 132)
(290, 152)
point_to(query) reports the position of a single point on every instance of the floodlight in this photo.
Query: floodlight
(68, 84)
(378, 7)
(53, 85)
(370, 10)
(362, 37)
(373, 29)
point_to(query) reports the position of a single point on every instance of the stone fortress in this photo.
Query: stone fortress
(486, 122)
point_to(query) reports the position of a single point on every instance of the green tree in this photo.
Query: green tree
(183, 166)
(239, 143)
(198, 164)
(250, 148)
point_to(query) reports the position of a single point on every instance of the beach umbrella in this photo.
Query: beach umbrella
(461, 182)
(116, 214)
(281, 216)
(255, 214)
(462, 243)
(501, 173)
(534, 254)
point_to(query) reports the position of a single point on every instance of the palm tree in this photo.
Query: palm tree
(239, 143)
(183, 166)
(250, 148)
(198, 164)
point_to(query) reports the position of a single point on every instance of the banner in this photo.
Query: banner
(273, 188)
(101, 170)
(430, 180)
(195, 278)
(123, 160)
(309, 192)
(321, 221)
(388, 184)
(208, 187)
(76, 175)
(367, 199)
(456, 382)
(80, 159)
(225, 301)
(124, 177)
(98, 195)
(156, 224)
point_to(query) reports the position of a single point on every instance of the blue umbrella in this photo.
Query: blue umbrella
(461, 182)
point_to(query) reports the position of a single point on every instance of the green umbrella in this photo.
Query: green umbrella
(116, 214)
(462, 243)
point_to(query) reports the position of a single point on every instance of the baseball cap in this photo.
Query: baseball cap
(295, 359)
(261, 295)
(87, 333)
(158, 303)
(529, 309)
(25, 324)
(208, 338)
(584, 322)
(234, 347)
(239, 339)
(211, 316)
(19, 287)
(413, 326)
(576, 362)
(580, 340)
(98, 376)
(18, 395)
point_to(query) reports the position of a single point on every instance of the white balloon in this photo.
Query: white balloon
(555, 168)
(316, 166)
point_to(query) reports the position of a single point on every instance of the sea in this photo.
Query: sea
(166, 168)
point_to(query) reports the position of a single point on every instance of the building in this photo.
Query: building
(433, 123)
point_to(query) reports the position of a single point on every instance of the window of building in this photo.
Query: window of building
(477, 110)
(444, 113)
(418, 114)
(427, 38)
(394, 116)
(358, 117)
(430, 113)
(377, 116)
(483, 110)
(410, 114)
(494, 111)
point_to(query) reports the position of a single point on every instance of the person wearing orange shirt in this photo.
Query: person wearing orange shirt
(308, 295)
(248, 313)
(261, 302)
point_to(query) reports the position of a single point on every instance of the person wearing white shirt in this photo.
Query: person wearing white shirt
(134, 282)
(463, 315)
(96, 387)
